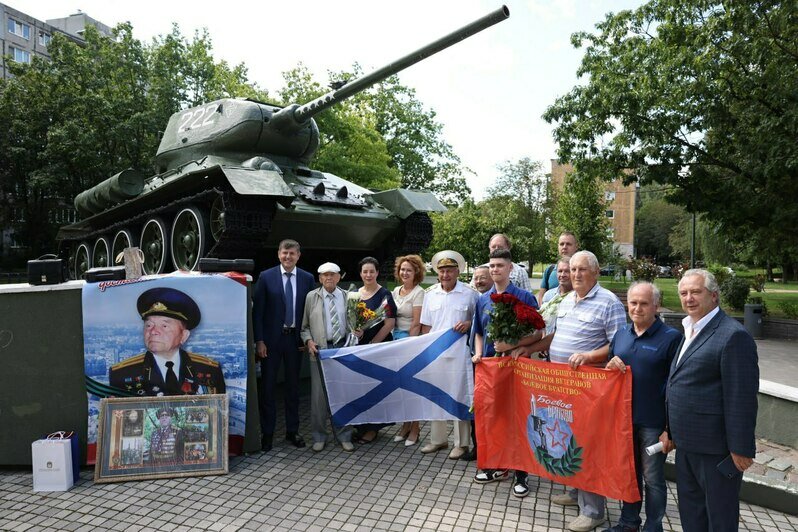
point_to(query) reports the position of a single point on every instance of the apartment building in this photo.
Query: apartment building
(23, 37)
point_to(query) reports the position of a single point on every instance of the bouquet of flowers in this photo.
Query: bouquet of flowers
(511, 319)
(360, 317)
(549, 308)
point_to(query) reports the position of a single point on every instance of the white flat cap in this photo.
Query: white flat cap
(329, 267)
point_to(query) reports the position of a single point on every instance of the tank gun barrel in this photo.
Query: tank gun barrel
(300, 114)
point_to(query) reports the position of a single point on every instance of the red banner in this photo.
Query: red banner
(573, 427)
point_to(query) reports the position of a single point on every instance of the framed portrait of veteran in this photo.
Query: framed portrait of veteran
(161, 437)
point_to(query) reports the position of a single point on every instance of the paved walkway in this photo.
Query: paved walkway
(382, 486)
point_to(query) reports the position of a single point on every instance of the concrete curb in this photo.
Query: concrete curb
(757, 489)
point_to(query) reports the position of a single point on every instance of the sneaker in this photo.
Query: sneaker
(318, 446)
(563, 499)
(584, 523)
(348, 446)
(520, 488)
(491, 475)
(621, 528)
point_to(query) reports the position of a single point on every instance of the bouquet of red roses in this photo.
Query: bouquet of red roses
(511, 319)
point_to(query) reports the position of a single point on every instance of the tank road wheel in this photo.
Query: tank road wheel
(155, 245)
(100, 255)
(122, 239)
(217, 218)
(189, 238)
(82, 260)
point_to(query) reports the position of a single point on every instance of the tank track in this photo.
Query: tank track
(416, 237)
(247, 222)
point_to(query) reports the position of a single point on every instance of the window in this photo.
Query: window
(610, 213)
(44, 38)
(18, 28)
(609, 195)
(18, 55)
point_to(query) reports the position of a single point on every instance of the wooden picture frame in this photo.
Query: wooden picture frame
(161, 437)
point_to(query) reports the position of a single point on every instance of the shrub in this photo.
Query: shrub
(721, 273)
(734, 292)
(790, 309)
(758, 282)
(643, 270)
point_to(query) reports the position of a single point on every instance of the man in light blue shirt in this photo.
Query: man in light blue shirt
(587, 320)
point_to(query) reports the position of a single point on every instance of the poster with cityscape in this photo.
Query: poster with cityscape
(161, 437)
(120, 320)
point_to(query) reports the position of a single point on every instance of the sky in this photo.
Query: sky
(488, 91)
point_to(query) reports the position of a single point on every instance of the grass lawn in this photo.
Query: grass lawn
(773, 294)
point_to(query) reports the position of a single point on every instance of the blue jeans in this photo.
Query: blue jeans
(399, 333)
(651, 470)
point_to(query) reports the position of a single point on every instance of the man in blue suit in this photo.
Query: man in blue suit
(278, 307)
(712, 404)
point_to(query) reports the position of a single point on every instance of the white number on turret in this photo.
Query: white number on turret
(201, 117)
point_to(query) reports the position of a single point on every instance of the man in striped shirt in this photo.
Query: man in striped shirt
(587, 320)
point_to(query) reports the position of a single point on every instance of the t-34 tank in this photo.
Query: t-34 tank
(233, 179)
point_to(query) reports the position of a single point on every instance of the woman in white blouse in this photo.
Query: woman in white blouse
(409, 297)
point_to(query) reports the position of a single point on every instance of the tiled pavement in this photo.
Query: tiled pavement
(382, 486)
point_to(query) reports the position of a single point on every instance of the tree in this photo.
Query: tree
(514, 206)
(655, 220)
(91, 111)
(350, 146)
(700, 95)
(415, 142)
(579, 208)
(382, 137)
(460, 229)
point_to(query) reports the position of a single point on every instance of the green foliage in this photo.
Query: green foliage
(381, 138)
(91, 111)
(734, 292)
(790, 309)
(721, 273)
(643, 270)
(655, 220)
(758, 282)
(580, 208)
(697, 95)
(515, 208)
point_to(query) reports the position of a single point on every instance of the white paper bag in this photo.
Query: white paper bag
(52, 465)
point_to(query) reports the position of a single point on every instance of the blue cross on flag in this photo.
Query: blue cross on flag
(427, 377)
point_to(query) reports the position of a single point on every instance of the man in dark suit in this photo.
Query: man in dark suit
(165, 369)
(279, 304)
(712, 404)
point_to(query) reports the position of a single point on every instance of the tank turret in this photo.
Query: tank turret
(232, 177)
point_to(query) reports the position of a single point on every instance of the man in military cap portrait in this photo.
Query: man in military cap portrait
(165, 368)
(166, 441)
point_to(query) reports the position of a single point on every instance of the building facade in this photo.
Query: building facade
(23, 37)
(620, 201)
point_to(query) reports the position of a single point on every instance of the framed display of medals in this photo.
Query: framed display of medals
(161, 437)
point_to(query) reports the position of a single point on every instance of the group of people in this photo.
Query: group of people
(694, 392)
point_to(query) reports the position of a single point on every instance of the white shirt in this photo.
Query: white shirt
(442, 309)
(293, 286)
(691, 329)
(340, 307)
